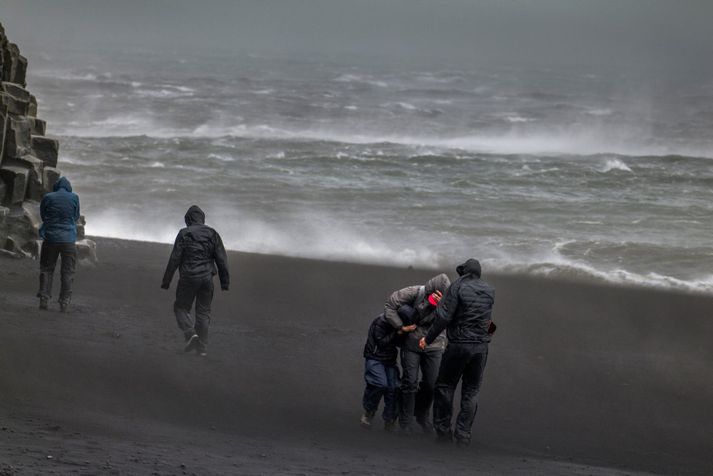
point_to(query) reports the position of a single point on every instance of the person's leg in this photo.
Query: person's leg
(68, 252)
(391, 404)
(409, 384)
(48, 260)
(185, 294)
(472, 381)
(204, 299)
(430, 363)
(376, 384)
(449, 374)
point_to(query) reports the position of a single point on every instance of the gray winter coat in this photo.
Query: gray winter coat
(417, 297)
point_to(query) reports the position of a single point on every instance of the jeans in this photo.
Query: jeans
(381, 380)
(466, 361)
(188, 291)
(49, 254)
(416, 398)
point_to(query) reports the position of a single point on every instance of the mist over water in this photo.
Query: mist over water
(531, 170)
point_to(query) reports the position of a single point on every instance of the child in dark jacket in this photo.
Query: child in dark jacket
(380, 370)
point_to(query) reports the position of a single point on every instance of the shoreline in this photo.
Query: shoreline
(558, 276)
(582, 378)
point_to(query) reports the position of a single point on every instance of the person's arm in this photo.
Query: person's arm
(491, 325)
(173, 262)
(77, 214)
(221, 260)
(43, 208)
(384, 336)
(444, 313)
(43, 213)
(396, 300)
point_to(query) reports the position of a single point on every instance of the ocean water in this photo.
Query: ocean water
(551, 172)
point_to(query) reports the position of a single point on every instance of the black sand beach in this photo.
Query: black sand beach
(581, 379)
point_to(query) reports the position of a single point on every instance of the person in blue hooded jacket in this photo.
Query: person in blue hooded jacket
(59, 211)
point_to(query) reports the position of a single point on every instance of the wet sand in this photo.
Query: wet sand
(582, 378)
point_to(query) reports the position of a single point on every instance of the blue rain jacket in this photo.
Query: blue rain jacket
(60, 211)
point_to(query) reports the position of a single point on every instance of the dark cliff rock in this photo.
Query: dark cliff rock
(28, 160)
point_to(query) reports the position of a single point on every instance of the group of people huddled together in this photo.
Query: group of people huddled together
(443, 329)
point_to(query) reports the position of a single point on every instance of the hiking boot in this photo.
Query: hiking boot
(444, 437)
(64, 306)
(426, 426)
(44, 303)
(390, 426)
(365, 420)
(192, 343)
(462, 442)
(406, 430)
(201, 349)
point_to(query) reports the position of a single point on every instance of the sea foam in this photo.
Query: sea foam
(614, 164)
(320, 235)
(558, 143)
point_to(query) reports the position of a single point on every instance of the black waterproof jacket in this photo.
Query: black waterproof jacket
(383, 339)
(197, 251)
(466, 309)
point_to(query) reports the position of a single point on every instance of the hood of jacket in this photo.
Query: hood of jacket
(472, 266)
(63, 183)
(407, 314)
(438, 283)
(194, 216)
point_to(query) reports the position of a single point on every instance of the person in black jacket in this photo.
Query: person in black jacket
(196, 252)
(380, 371)
(466, 313)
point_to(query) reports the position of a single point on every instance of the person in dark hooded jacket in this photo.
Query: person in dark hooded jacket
(59, 211)
(381, 373)
(466, 313)
(417, 397)
(198, 254)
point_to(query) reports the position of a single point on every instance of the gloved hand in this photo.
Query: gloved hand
(435, 298)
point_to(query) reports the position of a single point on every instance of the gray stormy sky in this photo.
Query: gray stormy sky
(675, 35)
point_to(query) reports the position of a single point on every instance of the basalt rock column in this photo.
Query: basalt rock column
(28, 161)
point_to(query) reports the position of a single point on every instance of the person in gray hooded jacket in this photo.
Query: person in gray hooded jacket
(198, 254)
(417, 398)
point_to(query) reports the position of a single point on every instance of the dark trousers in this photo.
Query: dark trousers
(466, 361)
(188, 291)
(49, 255)
(382, 380)
(416, 398)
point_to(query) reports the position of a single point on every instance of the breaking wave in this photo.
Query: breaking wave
(578, 271)
(355, 78)
(325, 237)
(614, 164)
(132, 125)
